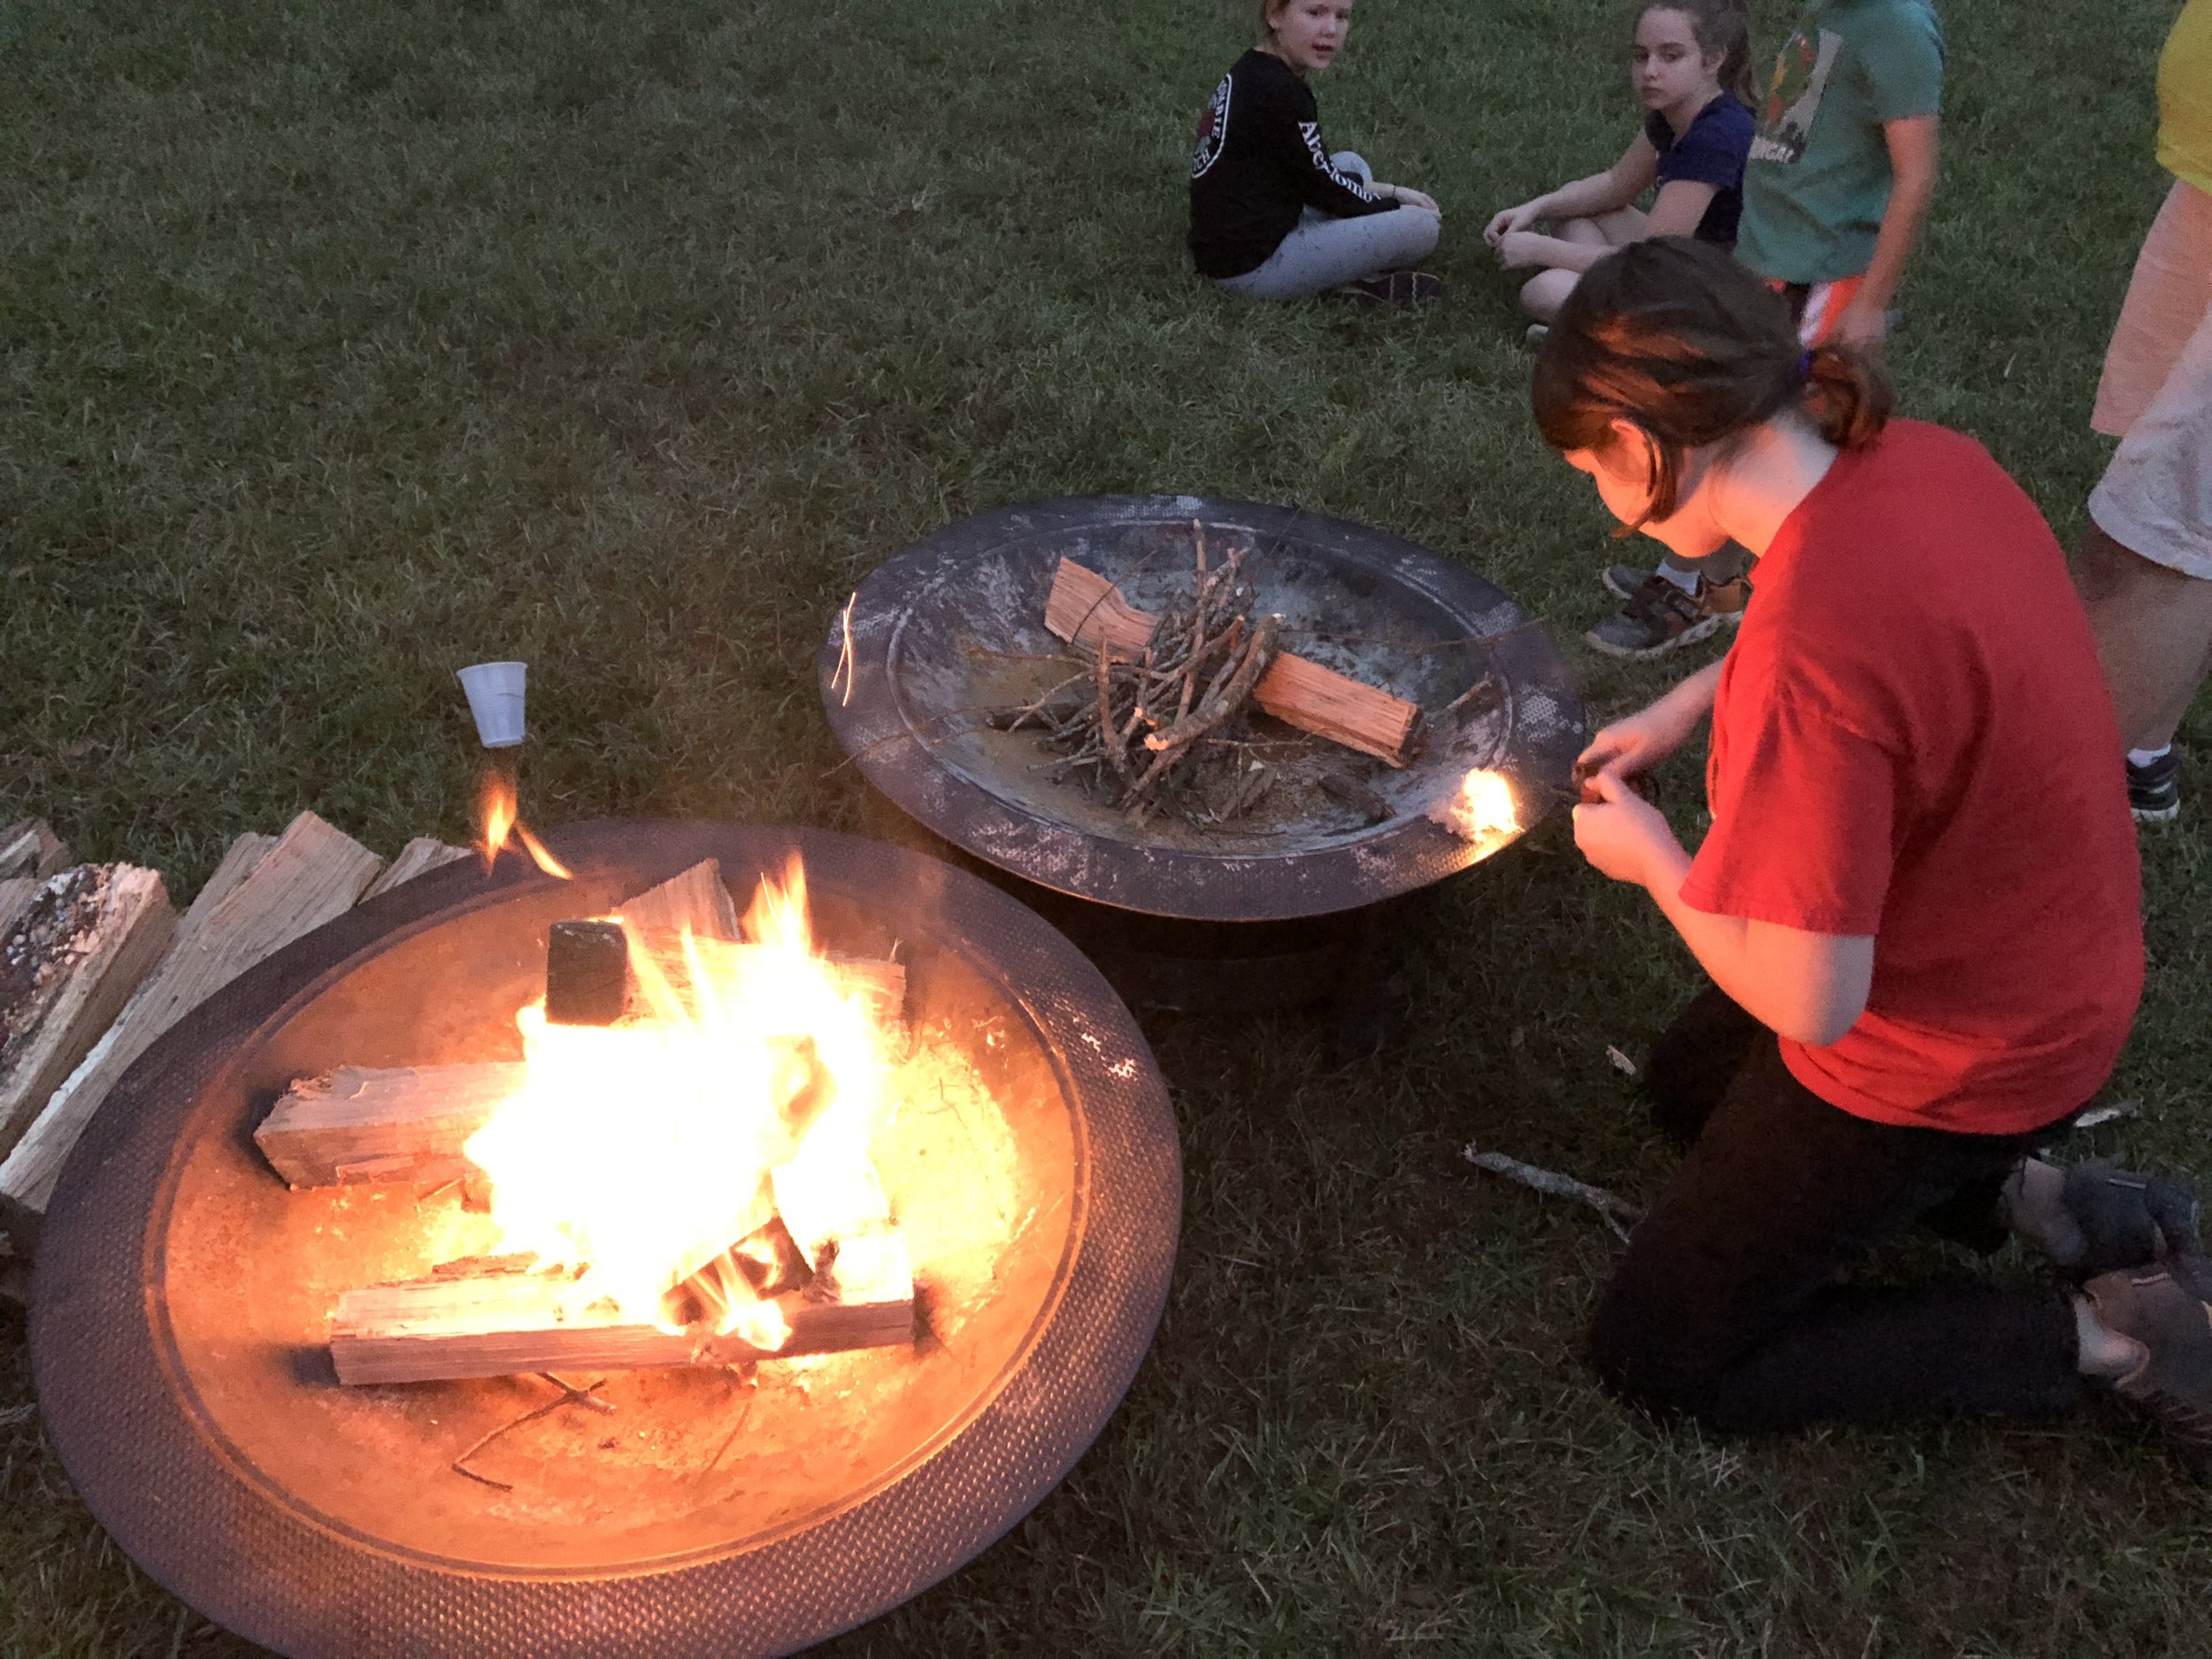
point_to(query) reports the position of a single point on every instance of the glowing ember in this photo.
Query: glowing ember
(639, 1153)
(1483, 810)
(503, 827)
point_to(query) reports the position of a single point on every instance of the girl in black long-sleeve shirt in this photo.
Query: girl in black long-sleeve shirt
(1273, 215)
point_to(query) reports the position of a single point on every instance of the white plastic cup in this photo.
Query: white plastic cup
(496, 697)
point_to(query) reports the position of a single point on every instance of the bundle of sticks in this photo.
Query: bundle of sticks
(1161, 726)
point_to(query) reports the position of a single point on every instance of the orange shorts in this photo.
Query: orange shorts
(1817, 305)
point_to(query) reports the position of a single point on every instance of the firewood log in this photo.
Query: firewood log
(30, 849)
(418, 857)
(267, 892)
(497, 1323)
(361, 1122)
(15, 898)
(1085, 607)
(698, 901)
(83, 944)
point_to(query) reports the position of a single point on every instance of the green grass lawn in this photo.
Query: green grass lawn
(345, 344)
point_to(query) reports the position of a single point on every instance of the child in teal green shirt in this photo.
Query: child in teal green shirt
(1844, 163)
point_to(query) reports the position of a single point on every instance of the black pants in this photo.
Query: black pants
(1726, 1306)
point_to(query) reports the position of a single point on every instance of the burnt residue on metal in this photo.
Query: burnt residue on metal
(952, 630)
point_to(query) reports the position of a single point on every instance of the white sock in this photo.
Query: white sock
(1686, 581)
(2136, 756)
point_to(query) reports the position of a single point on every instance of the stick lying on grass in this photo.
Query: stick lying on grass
(1615, 1210)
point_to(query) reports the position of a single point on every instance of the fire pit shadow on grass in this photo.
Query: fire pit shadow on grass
(180, 1327)
(1297, 899)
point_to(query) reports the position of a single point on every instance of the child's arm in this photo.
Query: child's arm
(1913, 144)
(1617, 186)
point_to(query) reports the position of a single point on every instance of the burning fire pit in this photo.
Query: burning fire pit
(1267, 907)
(688, 1478)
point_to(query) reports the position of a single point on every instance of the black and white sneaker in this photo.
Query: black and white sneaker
(2154, 789)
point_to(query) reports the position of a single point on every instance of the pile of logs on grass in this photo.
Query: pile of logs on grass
(95, 964)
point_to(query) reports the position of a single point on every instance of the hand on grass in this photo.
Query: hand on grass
(1511, 219)
(1622, 835)
(1421, 199)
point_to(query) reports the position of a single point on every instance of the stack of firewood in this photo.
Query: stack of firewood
(95, 964)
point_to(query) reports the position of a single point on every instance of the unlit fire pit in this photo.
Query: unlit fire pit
(725, 1498)
(1296, 899)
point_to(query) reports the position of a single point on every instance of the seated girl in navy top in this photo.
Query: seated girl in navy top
(1693, 71)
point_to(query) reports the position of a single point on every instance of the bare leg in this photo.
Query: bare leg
(2153, 628)
(1543, 294)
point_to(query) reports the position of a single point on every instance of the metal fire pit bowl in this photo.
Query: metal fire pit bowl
(184, 1294)
(952, 629)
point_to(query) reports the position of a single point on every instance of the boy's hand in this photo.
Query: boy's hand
(1860, 326)
(1622, 835)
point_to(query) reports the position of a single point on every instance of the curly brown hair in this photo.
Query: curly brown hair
(1673, 336)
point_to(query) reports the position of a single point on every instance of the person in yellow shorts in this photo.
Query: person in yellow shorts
(2145, 566)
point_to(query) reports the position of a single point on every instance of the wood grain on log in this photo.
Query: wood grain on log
(15, 898)
(266, 893)
(697, 901)
(418, 857)
(401, 1124)
(84, 944)
(1085, 607)
(499, 1324)
(30, 849)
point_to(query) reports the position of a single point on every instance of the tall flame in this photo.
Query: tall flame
(504, 825)
(640, 1153)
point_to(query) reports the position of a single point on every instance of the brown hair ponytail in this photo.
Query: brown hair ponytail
(1673, 336)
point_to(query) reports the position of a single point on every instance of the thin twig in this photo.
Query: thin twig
(570, 1394)
(1615, 1209)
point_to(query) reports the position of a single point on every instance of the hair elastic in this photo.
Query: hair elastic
(1805, 366)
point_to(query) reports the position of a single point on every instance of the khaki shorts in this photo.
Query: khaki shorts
(2155, 498)
(2167, 298)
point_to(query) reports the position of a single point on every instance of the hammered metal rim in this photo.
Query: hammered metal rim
(861, 698)
(152, 1473)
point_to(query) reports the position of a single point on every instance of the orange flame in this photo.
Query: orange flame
(504, 825)
(1483, 808)
(640, 1153)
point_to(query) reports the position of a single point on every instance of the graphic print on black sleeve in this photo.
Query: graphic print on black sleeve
(1213, 129)
(1792, 103)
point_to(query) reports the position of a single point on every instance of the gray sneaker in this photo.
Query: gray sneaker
(1659, 617)
(2167, 1311)
(2129, 1220)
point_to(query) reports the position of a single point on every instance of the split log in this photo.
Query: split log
(418, 857)
(88, 938)
(698, 901)
(31, 849)
(1085, 607)
(500, 1324)
(15, 898)
(402, 1124)
(267, 892)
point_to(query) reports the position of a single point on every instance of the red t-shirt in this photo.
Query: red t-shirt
(1912, 739)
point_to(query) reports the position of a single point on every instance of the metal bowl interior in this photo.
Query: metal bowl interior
(952, 630)
(735, 1514)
